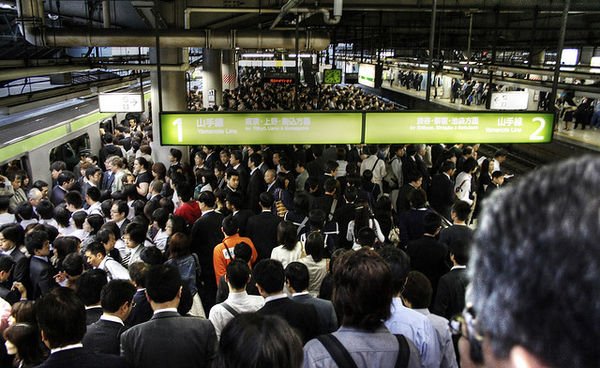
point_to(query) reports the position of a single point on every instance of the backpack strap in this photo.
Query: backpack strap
(230, 309)
(403, 352)
(338, 352)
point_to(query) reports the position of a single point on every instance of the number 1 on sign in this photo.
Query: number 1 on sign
(179, 124)
(535, 136)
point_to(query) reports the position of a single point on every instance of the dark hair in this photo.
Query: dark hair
(74, 198)
(417, 198)
(176, 154)
(238, 273)
(62, 215)
(330, 185)
(431, 223)
(230, 225)
(24, 211)
(315, 245)
(399, 263)
(242, 251)
(447, 165)
(417, 290)
(90, 284)
(235, 199)
(208, 198)
(184, 191)
(115, 294)
(163, 283)
(14, 233)
(26, 339)
(45, 209)
(64, 177)
(65, 245)
(122, 207)
(362, 291)
(79, 218)
(152, 255)
(469, 165)
(461, 210)
(252, 340)
(179, 245)
(266, 199)
(460, 249)
(96, 247)
(72, 264)
(35, 240)
(61, 316)
(160, 216)
(297, 275)
(136, 232)
(255, 158)
(96, 222)
(269, 274)
(287, 235)
(24, 312)
(137, 273)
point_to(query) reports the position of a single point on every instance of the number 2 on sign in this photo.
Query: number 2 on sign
(535, 136)
(179, 124)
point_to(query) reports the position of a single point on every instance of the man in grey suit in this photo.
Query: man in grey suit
(296, 278)
(168, 339)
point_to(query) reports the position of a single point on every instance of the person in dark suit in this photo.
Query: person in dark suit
(270, 279)
(10, 291)
(104, 335)
(256, 184)
(206, 234)
(345, 213)
(236, 163)
(326, 201)
(296, 278)
(459, 229)
(414, 181)
(262, 228)
(65, 182)
(450, 297)
(10, 236)
(427, 255)
(89, 287)
(441, 191)
(41, 272)
(61, 318)
(234, 203)
(154, 343)
(141, 310)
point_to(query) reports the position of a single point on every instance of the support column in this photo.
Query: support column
(173, 97)
(212, 82)
(229, 68)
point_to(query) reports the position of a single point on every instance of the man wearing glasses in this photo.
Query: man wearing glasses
(535, 271)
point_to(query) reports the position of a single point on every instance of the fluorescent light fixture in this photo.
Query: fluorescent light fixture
(300, 55)
(569, 56)
(261, 55)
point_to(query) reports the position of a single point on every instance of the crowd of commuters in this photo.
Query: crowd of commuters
(253, 93)
(282, 256)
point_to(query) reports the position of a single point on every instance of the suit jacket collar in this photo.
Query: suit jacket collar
(165, 315)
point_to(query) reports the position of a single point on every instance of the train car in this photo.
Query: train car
(31, 141)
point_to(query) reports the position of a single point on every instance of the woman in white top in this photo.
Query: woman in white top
(290, 249)
(316, 263)
(462, 185)
(160, 217)
(363, 218)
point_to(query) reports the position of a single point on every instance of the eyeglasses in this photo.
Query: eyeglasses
(465, 325)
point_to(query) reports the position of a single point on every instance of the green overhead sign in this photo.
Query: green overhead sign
(260, 128)
(453, 127)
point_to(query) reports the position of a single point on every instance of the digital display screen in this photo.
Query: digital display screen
(261, 128)
(453, 127)
(332, 76)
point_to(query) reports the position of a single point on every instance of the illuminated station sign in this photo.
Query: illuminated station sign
(354, 127)
(453, 127)
(260, 128)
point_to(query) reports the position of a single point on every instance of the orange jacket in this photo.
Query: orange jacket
(221, 253)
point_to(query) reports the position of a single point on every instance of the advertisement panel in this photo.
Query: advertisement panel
(366, 75)
(514, 100)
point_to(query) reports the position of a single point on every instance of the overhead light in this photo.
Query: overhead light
(300, 55)
(261, 55)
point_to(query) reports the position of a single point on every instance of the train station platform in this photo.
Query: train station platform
(588, 138)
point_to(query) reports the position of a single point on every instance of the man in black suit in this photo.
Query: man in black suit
(141, 310)
(414, 179)
(328, 201)
(234, 203)
(236, 163)
(10, 236)
(104, 335)
(206, 234)
(270, 279)
(459, 229)
(256, 184)
(41, 272)
(10, 291)
(90, 286)
(296, 278)
(450, 297)
(427, 255)
(345, 213)
(61, 318)
(441, 191)
(168, 339)
(262, 228)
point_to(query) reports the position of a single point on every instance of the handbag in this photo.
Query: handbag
(394, 235)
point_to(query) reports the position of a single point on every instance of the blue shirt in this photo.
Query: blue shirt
(416, 327)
